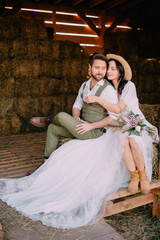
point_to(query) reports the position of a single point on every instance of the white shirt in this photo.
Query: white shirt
(109, 94)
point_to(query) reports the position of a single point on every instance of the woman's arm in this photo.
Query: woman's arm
(115, 108)
(107, 121)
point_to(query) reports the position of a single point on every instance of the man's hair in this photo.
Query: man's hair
(97, 56)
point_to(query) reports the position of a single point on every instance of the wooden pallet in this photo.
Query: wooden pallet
(124, 200)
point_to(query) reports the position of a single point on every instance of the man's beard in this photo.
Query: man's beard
(97, 78)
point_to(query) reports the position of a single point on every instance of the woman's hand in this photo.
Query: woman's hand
(84, 127)
(79, 119)
(91, 99)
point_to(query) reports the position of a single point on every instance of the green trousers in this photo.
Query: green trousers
(64, 125)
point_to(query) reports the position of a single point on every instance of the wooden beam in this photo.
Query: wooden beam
(2, 9)
(16, 8)
(76, 2)
(54, 24)
(88, 21)
(102, 27)
(95, 3)
(57, 1)
(113, 3)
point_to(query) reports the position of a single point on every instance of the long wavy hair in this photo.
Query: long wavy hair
(122, 81)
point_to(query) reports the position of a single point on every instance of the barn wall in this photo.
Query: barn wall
(38, 76)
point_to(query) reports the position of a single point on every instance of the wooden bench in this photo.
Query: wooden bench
(124, 200)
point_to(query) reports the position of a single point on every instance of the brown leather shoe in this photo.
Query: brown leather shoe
(40, 121)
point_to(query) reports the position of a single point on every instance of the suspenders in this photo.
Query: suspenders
(99, 91)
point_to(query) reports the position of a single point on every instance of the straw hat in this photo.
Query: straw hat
(127, 68)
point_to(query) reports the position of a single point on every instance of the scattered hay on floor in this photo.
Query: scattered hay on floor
(136, 224)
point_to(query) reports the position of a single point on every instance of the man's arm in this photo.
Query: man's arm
(75, 112)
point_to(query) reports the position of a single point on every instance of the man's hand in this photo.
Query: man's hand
(84, 127)
(91, 99)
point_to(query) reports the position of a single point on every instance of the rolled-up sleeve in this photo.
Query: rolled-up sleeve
(79, 102)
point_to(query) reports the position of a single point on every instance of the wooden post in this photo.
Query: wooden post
(159, 157)
(54, 23)
(1, 232)
(102, 23)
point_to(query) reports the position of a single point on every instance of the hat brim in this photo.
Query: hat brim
(126, 66)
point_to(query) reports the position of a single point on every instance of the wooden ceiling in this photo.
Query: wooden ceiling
(134, 13)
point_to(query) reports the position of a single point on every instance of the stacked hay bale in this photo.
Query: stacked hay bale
(146, 76)
(38, 76)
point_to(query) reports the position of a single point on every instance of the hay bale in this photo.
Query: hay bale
(5, 46)
(34, 29)
(19, 48)
(45, 49)
(26, 68)
(5, 69)
(155, 162)
(10, 28)
(145, 66)
(152, 113)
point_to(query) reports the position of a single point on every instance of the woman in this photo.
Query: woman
(72, 187)
(137, 149)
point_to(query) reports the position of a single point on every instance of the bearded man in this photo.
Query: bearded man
(88, 120)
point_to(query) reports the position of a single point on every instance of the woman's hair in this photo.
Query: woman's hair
(122, 82)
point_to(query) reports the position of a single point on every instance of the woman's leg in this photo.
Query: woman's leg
(130, 163)
(128, 156)
(137, 154)
(139, 161)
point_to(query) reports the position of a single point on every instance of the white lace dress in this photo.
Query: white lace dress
(72, 187)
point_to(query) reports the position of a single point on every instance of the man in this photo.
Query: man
(87, 120)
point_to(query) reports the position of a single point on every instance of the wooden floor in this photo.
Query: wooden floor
(18, 154)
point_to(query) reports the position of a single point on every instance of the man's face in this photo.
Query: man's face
(98, 69)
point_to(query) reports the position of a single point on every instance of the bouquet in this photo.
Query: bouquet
(132, 124)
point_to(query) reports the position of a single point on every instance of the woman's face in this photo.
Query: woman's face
(113, 72)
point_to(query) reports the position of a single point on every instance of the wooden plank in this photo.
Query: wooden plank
(129, 204)
(78, 39)
(74, 29)
(123, 192)
(156, 191)
(73, 19)
(36, 15)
